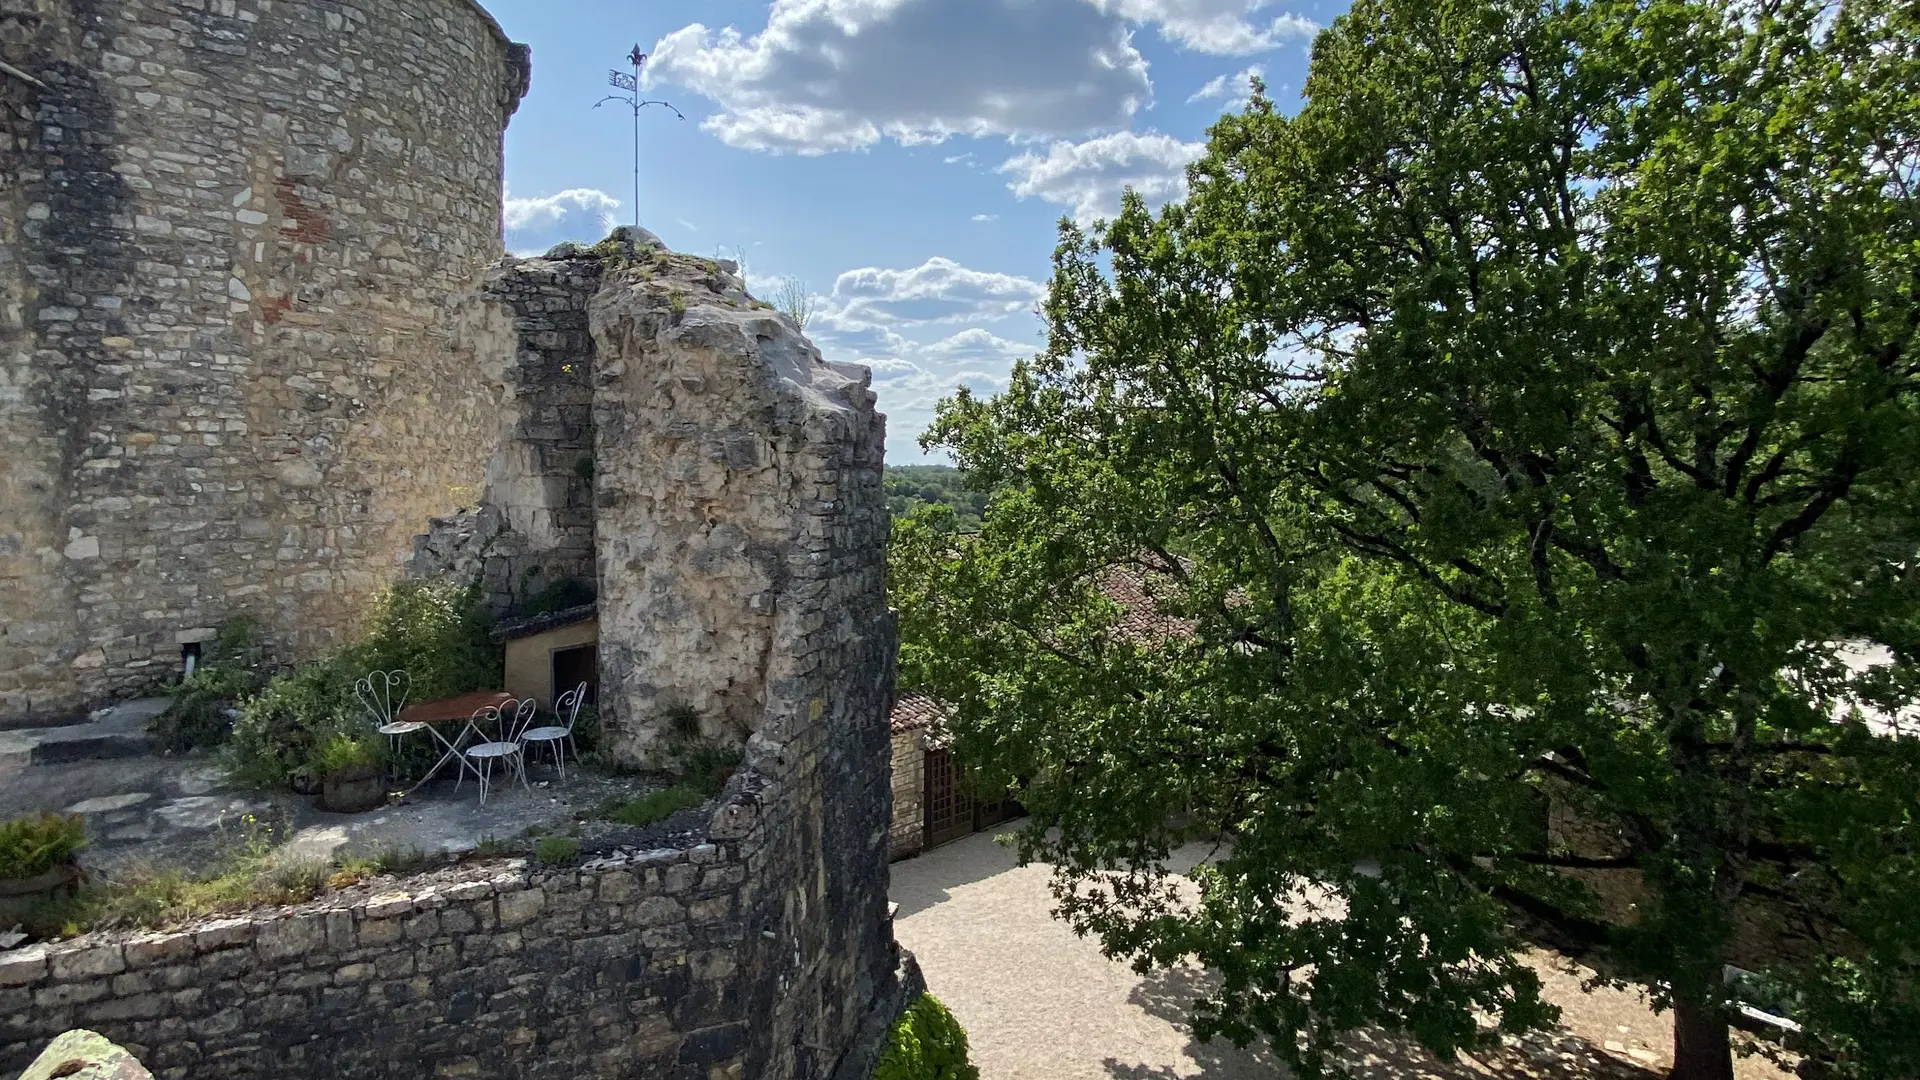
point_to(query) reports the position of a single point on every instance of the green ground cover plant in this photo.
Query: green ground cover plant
(926, 1044)
(33, 844)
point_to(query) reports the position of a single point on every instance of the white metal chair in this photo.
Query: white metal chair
(383, 694)
(560, 735)
(493, 734)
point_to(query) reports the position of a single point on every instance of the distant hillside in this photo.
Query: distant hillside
(909, 486)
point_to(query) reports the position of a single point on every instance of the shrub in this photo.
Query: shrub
(343, 751)
(927, 1044)
(555, 849)
(705, 767)
(200, 713)
(36, 843)
(435, 631)
(278, 729)
(653, 806)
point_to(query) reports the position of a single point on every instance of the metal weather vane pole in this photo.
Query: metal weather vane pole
(631, 83)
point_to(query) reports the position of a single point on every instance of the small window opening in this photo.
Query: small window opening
(190, 656)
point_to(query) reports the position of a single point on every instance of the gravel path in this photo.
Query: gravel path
(1039, 1003)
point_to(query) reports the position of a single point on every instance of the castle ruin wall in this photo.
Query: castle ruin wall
(229, 233)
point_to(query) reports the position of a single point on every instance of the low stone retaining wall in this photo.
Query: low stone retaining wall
(630, 965)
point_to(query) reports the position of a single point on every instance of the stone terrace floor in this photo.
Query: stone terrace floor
(180, 810)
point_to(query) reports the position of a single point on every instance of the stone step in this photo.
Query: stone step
(115, 732)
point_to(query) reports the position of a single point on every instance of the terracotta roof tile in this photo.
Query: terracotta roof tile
(915, 710)
(1144, 621)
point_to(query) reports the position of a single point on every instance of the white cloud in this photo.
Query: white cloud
(1089, 176)
(938, 290)
(891, 368)
(827, 75)
(573, 204)
(873, 312)
(974, 343)
(1233, 90)
(984, 218)
(1221, 27)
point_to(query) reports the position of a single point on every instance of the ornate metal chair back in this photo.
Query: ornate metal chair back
(383, 694)
(567, 709)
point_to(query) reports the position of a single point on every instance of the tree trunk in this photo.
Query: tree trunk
(1701, 1049)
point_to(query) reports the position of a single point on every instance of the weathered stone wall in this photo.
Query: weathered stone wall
(741, 559)
(526, 327)
(228, 233)
(636, 965)
(907, 833)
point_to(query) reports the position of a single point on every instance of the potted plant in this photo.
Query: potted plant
(36, 859)
(349, 768)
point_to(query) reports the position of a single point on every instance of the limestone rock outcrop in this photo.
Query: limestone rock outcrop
(722, 441)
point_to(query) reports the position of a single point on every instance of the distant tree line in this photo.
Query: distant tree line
(913, 486)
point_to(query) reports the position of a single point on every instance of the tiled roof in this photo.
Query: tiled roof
(515, 629)
(915, 710)
(1144, 622)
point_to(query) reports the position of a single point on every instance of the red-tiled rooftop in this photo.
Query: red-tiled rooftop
(1144, 622)
(915, 710)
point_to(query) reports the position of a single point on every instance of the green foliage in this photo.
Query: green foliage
(433, 630)
(36, 843)
(583, 467)
(683, 722)
(345, 752)
(249, 874)
(705, 766)
(226, 674)
(926, 1044)
(910, 487)
(555, 849)
(279, 727)
(388, 859)
(651, 807)
(1526, 418)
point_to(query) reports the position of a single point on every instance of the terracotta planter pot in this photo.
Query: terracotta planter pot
(352, 791)
(19, 895)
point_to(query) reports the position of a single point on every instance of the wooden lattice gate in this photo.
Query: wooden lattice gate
(950, 811)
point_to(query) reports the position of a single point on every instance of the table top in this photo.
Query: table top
(458, 707)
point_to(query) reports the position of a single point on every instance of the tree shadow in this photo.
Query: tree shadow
(924, 880)
(1169, 993)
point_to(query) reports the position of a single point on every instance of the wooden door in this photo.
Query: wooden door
(949, 810)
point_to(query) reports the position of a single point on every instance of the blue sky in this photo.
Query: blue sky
(906, 159)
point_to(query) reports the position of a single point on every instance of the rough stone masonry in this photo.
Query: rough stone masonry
(740, 531)
(229, 232)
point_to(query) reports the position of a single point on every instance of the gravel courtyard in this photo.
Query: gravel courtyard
(1040, 1004)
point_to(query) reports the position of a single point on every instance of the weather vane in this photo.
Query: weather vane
(631, 83)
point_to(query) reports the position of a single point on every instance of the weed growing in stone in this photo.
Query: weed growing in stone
(144, 895)
(387, 860)
(555, 849)
(651, 807)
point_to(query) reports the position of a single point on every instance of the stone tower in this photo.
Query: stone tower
(229, 230)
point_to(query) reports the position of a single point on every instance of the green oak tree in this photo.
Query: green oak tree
(1517, 429)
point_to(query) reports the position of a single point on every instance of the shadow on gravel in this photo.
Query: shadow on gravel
(1169, 994)
(960, 864)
